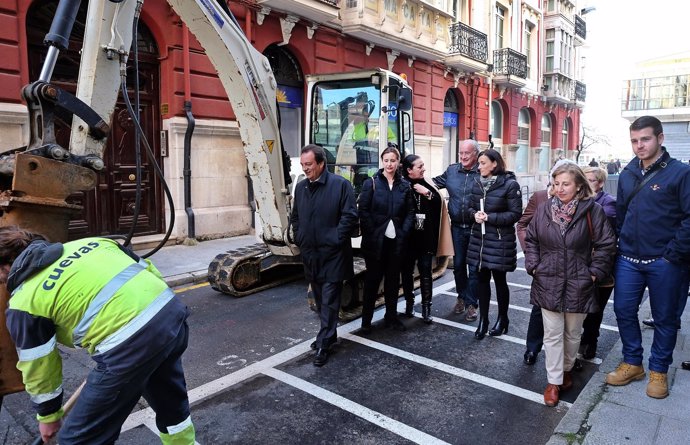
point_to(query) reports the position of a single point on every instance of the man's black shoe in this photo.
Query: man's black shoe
(313, 346)
(685, 365)
(648, 322)
(530, 357)
(321, 357)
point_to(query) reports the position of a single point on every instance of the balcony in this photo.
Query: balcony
(559, 89)
(580, 31)
(316, 11)
(510, 68)
(468, 49)
(412, 28)
(580, 92)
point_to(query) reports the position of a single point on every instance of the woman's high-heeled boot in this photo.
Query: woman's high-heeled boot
(426, 289)
(409, 305)
(501, 326)
(483, 316)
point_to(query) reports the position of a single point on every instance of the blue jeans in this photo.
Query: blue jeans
(465, 280)
(668, 285)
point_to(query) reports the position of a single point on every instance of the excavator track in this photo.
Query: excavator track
(250, 269)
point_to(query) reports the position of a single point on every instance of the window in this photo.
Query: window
(500, 20)
(351, 4)
(496, 121)
(566, 51)
(550, 45)
(522, 154)
(551, 5)
(528, 46)
(564, 134)
(545, 154)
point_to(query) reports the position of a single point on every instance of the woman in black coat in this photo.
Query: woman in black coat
(496, 205)
(386, 217)
(431, 222)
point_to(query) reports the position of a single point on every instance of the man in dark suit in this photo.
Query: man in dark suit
(324, 216)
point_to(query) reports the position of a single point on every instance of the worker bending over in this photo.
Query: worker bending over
(94, 294)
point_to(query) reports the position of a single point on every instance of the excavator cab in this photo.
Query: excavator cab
(354, 116)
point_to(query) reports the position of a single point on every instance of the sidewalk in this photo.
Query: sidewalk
(601, 414)
(615, 415)
(182, 264)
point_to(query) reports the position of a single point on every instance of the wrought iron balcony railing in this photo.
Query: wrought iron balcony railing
(468, 42)
(510, 62)
(580, 27)
(580, 91)
(330, 2)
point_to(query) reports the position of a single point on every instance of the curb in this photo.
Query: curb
(194, 277)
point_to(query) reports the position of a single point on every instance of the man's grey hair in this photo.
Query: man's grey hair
(474, 144)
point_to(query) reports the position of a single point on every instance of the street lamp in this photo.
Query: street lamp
(587, 10)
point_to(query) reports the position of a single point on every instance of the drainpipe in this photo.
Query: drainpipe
(187, 154)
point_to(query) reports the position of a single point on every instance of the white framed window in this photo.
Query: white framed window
(564, 135)
(545, 154)
(550, 48)
(528, 46)
(500, 23)
(522, 154)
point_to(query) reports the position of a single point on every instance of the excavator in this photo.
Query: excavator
(353, 115)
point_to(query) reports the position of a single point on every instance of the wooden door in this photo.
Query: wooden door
(109, 209)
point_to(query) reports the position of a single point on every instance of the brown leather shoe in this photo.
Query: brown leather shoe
(551, 395)
(567, 381)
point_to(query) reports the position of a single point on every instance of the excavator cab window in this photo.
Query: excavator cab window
(346, 120)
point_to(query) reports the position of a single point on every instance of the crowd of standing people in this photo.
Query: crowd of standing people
(581, 245)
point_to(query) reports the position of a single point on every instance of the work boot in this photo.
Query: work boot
(657, 387)
(459, 306)
(471, 313)
(624, 374)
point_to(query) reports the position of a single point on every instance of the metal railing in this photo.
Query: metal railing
(580, 27)
(330, 2)
(468, 42)
(510, 62)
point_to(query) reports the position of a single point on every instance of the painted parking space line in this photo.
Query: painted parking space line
(380, 420)
(524, 309)
(452, 370)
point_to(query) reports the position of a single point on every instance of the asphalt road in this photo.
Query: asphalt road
(251, 379)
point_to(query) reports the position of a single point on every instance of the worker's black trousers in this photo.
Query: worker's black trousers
(108, 398)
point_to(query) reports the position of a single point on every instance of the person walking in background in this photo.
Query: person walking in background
(496, 206)
(535, 327)
(95, 294)
(430, 236)
(458, 180)
(324, 216)
(569, 246)
(386, 215)
(653, 218)
(590, 335)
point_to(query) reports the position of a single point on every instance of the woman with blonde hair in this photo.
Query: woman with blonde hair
(569, 246)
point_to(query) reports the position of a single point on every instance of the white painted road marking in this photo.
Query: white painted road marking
(358, 410)
(146, 417)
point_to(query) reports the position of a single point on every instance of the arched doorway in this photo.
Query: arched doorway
(109, 209)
